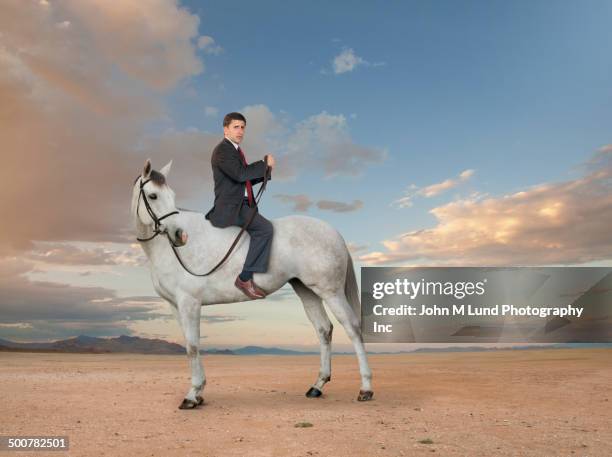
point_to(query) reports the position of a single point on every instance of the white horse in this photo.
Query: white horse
(306, 252)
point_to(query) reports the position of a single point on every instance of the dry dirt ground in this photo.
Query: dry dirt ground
(507, 403)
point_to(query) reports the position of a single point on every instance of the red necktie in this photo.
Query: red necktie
(249, 186)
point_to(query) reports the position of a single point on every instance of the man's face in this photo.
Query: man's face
(235, 131)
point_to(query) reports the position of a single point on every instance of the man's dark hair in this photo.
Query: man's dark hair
(227, 120)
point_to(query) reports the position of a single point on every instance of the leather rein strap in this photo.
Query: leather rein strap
(173, 246)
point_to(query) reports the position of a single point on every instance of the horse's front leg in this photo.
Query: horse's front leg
(189, 310)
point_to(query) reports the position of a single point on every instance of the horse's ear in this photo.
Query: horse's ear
(147, 169)
(164, 171)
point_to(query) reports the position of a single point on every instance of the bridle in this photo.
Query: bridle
(158, 220)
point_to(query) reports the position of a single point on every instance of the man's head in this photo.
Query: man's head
(233, 126)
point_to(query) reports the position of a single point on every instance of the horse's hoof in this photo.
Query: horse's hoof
(365, 395)
(189, 404)
(313, 392)
(199, 400)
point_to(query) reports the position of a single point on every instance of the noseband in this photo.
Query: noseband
(156, 219)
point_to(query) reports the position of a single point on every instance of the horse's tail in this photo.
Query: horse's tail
(350, 288)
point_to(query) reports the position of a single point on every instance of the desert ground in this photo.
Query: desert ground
(506, 403)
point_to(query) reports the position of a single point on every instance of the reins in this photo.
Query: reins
(173, 246)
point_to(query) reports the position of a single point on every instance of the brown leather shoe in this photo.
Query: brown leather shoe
(249, 288)
(259, 290)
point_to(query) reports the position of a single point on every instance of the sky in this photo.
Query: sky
(456, 133)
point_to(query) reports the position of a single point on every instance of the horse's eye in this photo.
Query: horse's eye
(153, 196)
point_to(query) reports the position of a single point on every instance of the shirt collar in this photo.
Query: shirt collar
(235, 145)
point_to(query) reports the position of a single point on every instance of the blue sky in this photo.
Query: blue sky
(518, 91)
(481, 128)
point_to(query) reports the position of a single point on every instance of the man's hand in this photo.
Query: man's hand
(270, 160)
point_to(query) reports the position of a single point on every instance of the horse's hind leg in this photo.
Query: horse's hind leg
(189, 310)
(317, 315)
(341, 308)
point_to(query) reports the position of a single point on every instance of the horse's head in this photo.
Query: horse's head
(153, 204)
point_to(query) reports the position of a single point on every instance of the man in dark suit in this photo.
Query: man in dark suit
(234, 199)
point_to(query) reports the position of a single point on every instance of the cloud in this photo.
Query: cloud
(322, 141)
(355, 248)
(433, 189)
(265, 132)
(301, 203)
(607, 148)
(346, 61)
(207, 44)
(211, 111)
(436, 189)
(190, 151)
(339, 207)
(603, 155)
(151, 42)
(67, 254)
(559, 223)
(44, 331)
(41, 309)
(75, 102)
(221, 319)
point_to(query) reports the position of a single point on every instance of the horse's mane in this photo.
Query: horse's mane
(134, 202)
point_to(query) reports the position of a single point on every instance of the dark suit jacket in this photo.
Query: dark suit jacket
(230, 176)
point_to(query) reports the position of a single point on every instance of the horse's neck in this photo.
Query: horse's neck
(203, 242)
(143, 231)
(157, 248)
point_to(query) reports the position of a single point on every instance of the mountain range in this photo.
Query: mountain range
(136, 344)
(131, 344)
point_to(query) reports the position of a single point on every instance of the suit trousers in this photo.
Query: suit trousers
(260, 230)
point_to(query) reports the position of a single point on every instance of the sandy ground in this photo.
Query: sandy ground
(510, 403)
